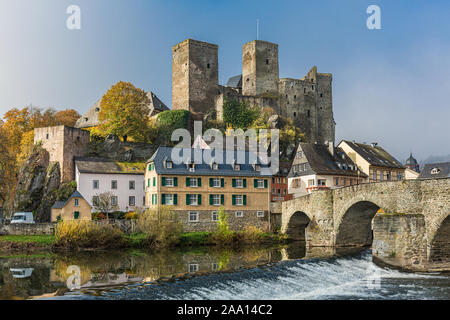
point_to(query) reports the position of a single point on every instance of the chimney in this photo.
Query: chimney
(331, 147)
(374, 144)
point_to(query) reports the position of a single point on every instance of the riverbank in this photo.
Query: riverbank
(41, 243)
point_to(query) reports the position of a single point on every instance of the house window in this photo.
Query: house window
(77, 202)
(279, 192)
(169, 199)
(375, 175)
(260, 214)
(321, 182)
(132, 185)
(260, 184)
(216, 200)
(193, 216)
(96, 184)
(131, 201)
(114, 184)
(239, 200)
(274, 191)
(215, 166)
(381, 175)
(399, 176)
(311, 182)
(336, 181)
(193, 267)
(258, 167)
(95, 201)
(296, 183)
(193, 182)
(216, 183)
(237, 167)
(47, 136)
(239, 183)
(169, 182)
(215, 216)
(239, 214)
(193, 199)
(114, 200)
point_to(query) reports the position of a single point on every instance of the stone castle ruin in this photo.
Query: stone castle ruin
(307, 101)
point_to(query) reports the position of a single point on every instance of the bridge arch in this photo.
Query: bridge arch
(354, 228)
(296, 227)
(440, 243)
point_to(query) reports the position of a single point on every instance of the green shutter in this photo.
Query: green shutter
(150, 167)
(245, 199)
(222, 182)
(199, 182)
(188, 182)
(245, 183)
(76, 215)
(234, 200)
(210, 199)
(199, 199)
(163, 181)
(156, 198)
(222, 199)
(163, 199)
(255, 183)
(175, 199)
(188, 200)
(175, 182)
(234, 183)
(154, 181)
(211, 182)
(265, 184)
(148, 183)
(153, 199)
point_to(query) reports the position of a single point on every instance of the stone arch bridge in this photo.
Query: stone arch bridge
(411, 230)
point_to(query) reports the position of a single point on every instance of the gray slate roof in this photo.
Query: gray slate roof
(375, 155)
(443, 169)
(164, 154)
(235, 82)
(100, 165)
(62, 204)
(90, 118)
(320, 161)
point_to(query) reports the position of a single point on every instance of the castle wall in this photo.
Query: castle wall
(260, 70)
(63, 143)
(195, 74)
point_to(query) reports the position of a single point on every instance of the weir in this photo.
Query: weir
(407, 222)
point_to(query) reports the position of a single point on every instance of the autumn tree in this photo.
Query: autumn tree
(124, 112)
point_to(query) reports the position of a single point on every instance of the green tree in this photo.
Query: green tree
(124, 112)
(239, 114)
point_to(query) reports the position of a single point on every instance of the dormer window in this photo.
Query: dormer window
(435, 171)
(258, 167)
(97, 109)
(169, 164)
(237, 167)
(215, 166)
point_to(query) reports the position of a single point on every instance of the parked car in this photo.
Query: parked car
(21, 273)
(22, 217)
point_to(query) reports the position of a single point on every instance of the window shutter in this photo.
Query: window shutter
(245, 183)
(210, 199)
(234, 200)
(153, 199)
(265, 183)
(156, 199)
(211, 182)
(222, 199)
(234, 183)
(188, 182)
(245, 199)
(148, 183)
(163, 181)
(199, 182)
(255, 183)
(175, 199)
(175, 182)
(199, 199)
(154, 181)
(222, 182)
(163, 199)
(150, 167)
(188, 200)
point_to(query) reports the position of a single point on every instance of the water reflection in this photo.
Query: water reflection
(91, 272)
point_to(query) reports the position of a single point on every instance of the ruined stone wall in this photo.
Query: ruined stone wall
(195, 74)
(260, 71)
(63, 143)
(27, 229)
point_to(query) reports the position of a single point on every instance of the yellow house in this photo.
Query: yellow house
(197, 190)
(374, 161)
(76, 208)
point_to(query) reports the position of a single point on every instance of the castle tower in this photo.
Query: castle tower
(63, 144)
(194, 76)
(260, 70)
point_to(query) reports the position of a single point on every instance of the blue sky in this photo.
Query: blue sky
(389, 85)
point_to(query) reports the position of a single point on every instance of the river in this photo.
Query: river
(287, 272)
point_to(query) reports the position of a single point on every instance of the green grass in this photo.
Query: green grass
(135, 239)
(43, 239)
(194, 238)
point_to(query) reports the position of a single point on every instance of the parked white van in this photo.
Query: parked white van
(22, 217)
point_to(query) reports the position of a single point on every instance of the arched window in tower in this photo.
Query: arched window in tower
(295, 114)
(267, 61)
(308, 113)
(208, 66)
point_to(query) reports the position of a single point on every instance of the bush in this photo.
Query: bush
(98, 216)
(86, 234)
(223, 233)
(162, 226)
(131, 216)
(252, 234)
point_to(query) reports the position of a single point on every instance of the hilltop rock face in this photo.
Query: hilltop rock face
(112, 148)
(39, 185)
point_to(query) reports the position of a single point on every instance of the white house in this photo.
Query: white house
(321, 167)
(124, 181)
